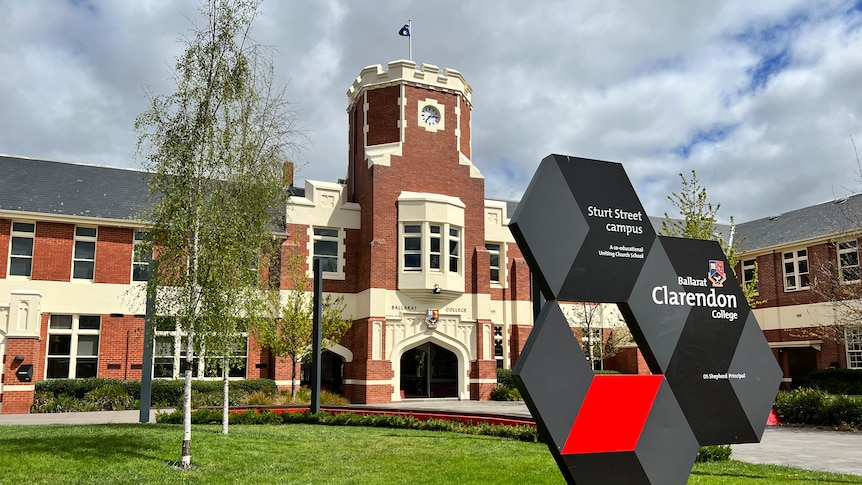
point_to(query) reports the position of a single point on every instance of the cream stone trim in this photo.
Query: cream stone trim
(463, 353)
(441, 125)
(405, 72)
(796, 344)
(483, 381)
(37, 217)
(286, 382)
(83, 298)
(474, 172)
(796, 316)
(18, 387)
(382, 154)
(368, 382)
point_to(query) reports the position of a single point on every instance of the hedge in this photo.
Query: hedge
(837, 381)
(813, 406)
(164, 392)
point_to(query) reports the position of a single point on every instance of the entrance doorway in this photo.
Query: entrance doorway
(331, 372)
(429, 371)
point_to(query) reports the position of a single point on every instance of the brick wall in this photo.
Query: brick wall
(5, 236)
(52, 251)
(114, 255)
(19, 401)
(121, 347)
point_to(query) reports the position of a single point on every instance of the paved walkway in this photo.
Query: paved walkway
(808, 448)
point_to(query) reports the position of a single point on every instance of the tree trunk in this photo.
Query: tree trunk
(187, 417)
(225, 405)
(292, 377)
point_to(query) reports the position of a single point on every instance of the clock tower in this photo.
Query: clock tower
(422, 218)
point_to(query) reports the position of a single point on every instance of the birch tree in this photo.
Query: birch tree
(699, 220)
(290, 335)
(214, 150)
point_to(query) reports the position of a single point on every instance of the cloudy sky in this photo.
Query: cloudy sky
(760, 98)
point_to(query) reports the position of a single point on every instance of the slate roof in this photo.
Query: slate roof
(834, 217)
(69, 189)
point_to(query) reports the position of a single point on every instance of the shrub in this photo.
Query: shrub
(813, 406)
(837, 381)
(713, 453)
(505, 379)
(501, 393)
(258, 398)
(800, 406)
(165, 393)
(112, 397)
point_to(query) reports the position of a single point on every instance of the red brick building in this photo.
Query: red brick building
(438, 291)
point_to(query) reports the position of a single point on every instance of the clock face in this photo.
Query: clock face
(430, 115)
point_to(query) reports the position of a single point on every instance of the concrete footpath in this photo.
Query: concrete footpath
(809, 448)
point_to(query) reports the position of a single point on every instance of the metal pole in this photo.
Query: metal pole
(147, 365)
(316, 338)
(410, 38)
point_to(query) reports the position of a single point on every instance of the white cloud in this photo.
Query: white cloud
(662, 86)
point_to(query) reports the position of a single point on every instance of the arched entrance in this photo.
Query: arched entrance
(331, 372)
(429, 371)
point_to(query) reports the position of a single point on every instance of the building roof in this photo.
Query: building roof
(70, 189)
(835, 217)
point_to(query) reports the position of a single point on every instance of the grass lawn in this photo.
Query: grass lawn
(310, 454)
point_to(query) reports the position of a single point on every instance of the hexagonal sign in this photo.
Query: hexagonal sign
(587, 238)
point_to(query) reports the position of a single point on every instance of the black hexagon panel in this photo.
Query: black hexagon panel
(587, 238)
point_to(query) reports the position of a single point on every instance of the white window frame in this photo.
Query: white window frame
(749, 273)
(453, 249)
(793, 263)
(500, 267)
(848, 261)
(853, 346)
(596, 339)
(20, 234)
(324, 234)
(415, 232)
(177, 357)
(140, 259)
(77, 258)
(74, 332)
(449, 238)
(499, 346)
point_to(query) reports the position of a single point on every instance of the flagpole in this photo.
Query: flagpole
(410, 39)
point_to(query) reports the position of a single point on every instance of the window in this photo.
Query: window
(21, 250)
(169, 355)
(796, 270)
(494, 251)
(412, 247)
(424, 246)
(853, 341)
(848, 261)
(73, 346)
(434, 247)
(454, 249)
(84, 257)
(592, 343)
(498, 345)
(326, 248)
(142, 256)
(749, 273)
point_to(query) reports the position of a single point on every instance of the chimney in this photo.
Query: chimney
(288, 174)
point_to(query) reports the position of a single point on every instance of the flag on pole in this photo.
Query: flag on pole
(405, 31)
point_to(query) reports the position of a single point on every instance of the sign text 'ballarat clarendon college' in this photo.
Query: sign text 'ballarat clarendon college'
(720, 302)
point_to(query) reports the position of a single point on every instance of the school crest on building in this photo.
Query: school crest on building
(432, 318)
